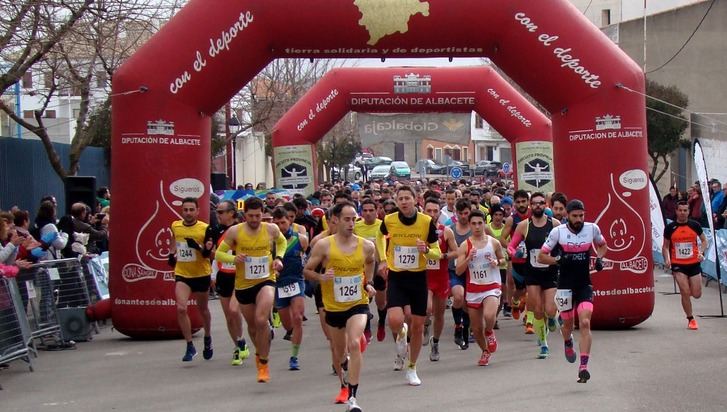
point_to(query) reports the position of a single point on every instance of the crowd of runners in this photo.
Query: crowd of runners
(398, 257)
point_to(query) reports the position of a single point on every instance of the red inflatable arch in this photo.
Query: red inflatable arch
(369, 90)
(165, 93)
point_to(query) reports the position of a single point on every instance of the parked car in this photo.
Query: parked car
(354, 173)
(380, 172)
(430, 167)
(487, 168)
(456, 163)
(400, 169)
(377, 161)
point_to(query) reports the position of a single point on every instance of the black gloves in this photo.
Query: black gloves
(599, 264)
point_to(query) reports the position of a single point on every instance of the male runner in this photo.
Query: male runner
(412, 240)
(684, 255)
(522, 212)
(253, 242)
(438, 277)
(495, 229)
(225, 282)
(480, 257)
(541, 279)
(191, 274)
(460, 232)
(349, 262)
(574, 241)
(290, 283)
(368, 228)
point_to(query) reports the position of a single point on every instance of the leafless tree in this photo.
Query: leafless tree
(77, 45)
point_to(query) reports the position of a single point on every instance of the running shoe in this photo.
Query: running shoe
(207, 351)
(507, 311)
(517, 308)
(544, 352)
(276, 320)
(293, 364)
(693, 324)
(471, 338)
(427, 324)
(353, 406)
(458, 338)
(363, 343)
(401, 344)
(398, 363)
(367, 335)
(552, 324)
(244, 352)
(570, 352)
(529, 329)
(491, 342)
(433, 350)
(288, 335)
(484, 359)
(263, 373)
(381, 333)
(583, 375)
(342, 396)
(412, 378)
(236, 359)
(190, 353)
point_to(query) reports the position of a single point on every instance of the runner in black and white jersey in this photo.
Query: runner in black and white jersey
(574, 241)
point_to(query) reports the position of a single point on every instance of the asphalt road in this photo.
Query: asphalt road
(657, 366)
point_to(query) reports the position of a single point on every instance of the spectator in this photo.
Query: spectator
(716, 193)
(721, 211)
(103, 197)
(21, 220)
(45, 230)
(9, 239)
(96, 227)
(669, 204)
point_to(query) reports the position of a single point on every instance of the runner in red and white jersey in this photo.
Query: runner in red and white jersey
(479, 257)
(438, 278)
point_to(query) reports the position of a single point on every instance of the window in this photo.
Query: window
(430, 152)
(465, 154)
(28, 114)
(457, 155)
(76, 113)
(490, 152)
(438, 154)
(48, 80)
(49, 114)
(605, 17)
(101, 78)
(28, 80)
(479, 122)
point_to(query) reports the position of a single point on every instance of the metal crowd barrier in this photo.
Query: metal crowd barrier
(14, 328)
(37, 294)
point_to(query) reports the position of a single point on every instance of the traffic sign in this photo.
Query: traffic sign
(506, 167)
(455, 172)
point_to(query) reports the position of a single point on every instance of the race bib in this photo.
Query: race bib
(289, 290)
(257, 267)
(478, 269)
(534, 259)
(433, 264)
(564, 299)
(185, 253)
(347, 288)
(406, 257)
(684, 250)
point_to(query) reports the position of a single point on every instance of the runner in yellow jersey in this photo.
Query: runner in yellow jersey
(346, 288)
(189, 256)
(253, 242)
(368, 228)
(412, 239)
